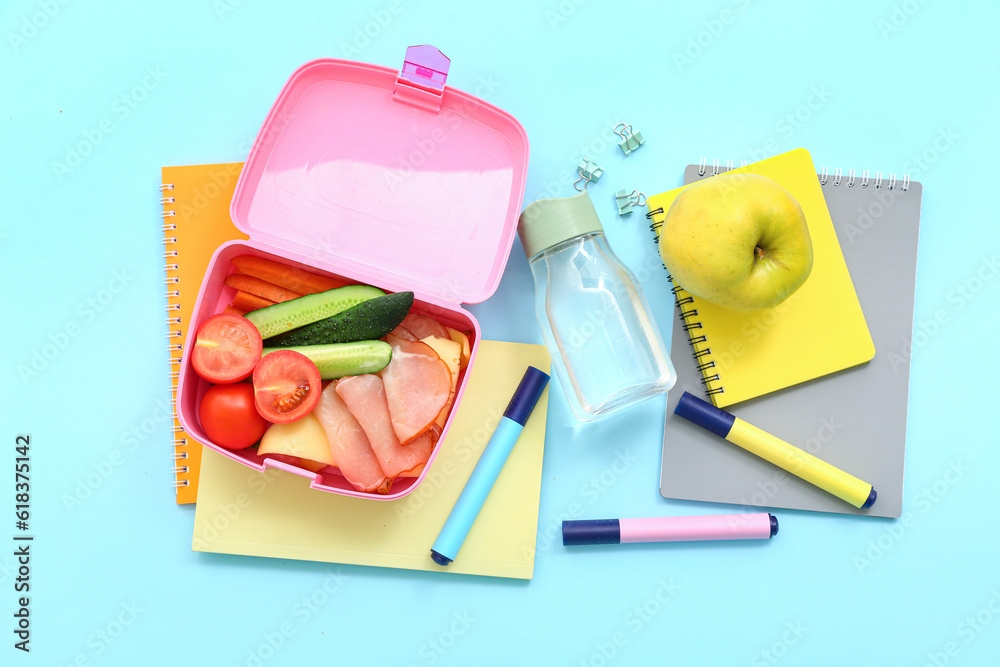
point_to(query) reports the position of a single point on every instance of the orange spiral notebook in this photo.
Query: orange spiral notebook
(819, 330)
(196, 221)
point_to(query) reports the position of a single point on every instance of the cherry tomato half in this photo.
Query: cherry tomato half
(228, 415)
(226, 349)
(286, 386)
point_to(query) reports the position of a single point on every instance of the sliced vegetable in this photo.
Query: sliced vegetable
(226, 349)
(349, 445)
(286, 386)
(228, 415)
(282, 317)
(304, 438)
(261, 288)
(339, 359)
(232, 310)
(365, 397)
(417, 386)
(369, 320)
(249, 302)
(297, 280)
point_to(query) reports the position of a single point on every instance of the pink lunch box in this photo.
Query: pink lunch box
(375, 176)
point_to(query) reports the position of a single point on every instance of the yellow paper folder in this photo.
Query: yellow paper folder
(276, 514)
(819, 330)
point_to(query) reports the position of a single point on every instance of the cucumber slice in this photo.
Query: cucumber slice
(282, 317)
(341, 359)
(369, 320)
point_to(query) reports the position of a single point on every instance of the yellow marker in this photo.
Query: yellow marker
(787, 457)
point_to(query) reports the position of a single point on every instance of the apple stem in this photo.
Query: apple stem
(758, 252)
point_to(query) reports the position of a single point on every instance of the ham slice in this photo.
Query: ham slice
(401, 332)
(417, 387)
(423, 326)
(450, 352)
(349, 444)
(365, 397)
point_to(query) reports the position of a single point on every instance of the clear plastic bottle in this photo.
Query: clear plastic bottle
(605, 346)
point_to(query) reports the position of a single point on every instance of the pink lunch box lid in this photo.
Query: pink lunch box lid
(390, 176)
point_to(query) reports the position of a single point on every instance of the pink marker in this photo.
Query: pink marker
(759, 526)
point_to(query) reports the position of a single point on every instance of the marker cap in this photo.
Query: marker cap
(528, 392)
(704, 414)
(591, 531)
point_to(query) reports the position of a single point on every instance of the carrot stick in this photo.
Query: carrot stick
(261, 288)
(232, 310)
(297, 280)
(246, 302)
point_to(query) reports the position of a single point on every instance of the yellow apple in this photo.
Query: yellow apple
(739, 241)
(304, 438)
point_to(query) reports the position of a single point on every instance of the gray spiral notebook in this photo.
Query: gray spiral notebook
(854, 419)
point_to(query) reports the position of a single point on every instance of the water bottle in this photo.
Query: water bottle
(606, 349)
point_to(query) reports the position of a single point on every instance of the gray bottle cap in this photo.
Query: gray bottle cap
(548, 222)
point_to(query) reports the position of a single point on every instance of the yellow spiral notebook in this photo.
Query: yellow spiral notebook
(819, 330)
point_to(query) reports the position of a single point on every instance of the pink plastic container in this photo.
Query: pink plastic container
(380, 177)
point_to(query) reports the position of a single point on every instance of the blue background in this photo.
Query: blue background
(903, 87)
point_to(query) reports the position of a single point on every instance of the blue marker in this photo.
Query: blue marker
(488, 468)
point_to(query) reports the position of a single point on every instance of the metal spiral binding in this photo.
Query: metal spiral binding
(172, 293)
(716, 169)
(877, 183)
(691, 327)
